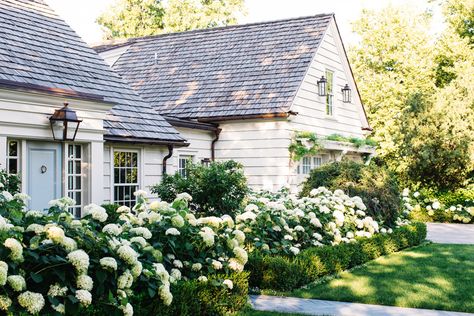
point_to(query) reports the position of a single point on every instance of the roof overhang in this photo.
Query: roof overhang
(58, 92)
(247, 117)
(177, 122)
(347, 147)
(148, 141)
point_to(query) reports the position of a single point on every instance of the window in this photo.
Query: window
(125, 177)
(183, 162)
(309, 163)
(74, 177)
(306, 165)
(13, 157)
(329, 92)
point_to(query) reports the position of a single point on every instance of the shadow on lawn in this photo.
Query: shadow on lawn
(433, 276)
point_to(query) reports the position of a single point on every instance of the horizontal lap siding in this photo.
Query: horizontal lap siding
(311, 107)
(261, 147)
(150, 166)
(199, 145)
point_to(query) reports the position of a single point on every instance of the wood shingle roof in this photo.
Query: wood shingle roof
(242, 70)
(37, 48)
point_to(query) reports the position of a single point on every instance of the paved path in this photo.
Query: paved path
(320, 307)
(450, 233)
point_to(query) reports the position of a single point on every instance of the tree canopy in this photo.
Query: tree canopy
(135, 18)
(419, 92)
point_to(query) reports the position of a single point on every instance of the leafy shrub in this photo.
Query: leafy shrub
(282, 223)
(377, 187)
(217, 189)
(273, 272)
(198, 298)
(51, 262)
(423, 206)
(9, 182)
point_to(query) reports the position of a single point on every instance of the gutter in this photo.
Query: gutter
(213, 144)
(165, 158)
(149, 141)
(247, 117)
(177, 122)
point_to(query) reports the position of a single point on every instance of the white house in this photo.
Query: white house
(238, 92)
(257, 84)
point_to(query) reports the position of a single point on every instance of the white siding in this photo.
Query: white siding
(348, 118)
(200, 146)
(262, 148)
(150, 166)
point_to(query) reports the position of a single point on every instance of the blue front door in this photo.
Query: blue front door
(44, 173)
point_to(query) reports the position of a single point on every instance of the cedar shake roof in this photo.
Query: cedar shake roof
(242, 70)
(38, 49)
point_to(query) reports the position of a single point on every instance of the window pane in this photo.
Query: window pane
(13, 166)
(13, 148)
(78, 166)
(125, 177)
(78, 152)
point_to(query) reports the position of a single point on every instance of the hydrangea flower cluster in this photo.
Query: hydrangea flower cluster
(415, 202)
(82, 261)
(285, 223)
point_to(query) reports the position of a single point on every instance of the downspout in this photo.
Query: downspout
(165, 158)
(213, 144)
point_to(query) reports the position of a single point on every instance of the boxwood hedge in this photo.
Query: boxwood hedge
(285, 273)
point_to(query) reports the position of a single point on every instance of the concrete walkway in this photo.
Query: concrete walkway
(450, 233)
(320, 307)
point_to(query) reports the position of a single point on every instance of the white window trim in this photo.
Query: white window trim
(83, 189)
(139, 162)
(299, 168)
(190, 156)
(333, 105)
(18, 157)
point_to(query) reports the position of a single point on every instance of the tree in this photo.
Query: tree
(135, 18)
(419, 92)
(393, 61)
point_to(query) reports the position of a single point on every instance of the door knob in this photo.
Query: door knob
(44, 169)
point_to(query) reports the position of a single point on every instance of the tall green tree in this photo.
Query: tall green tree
(393, 61)
(419, 92)
(135, 18)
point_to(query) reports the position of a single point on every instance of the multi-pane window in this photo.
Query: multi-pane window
(13, 157)
(309, 163)
(125, 177)
(330, 92)
(183, 163)
(306, 165)
(74, 177)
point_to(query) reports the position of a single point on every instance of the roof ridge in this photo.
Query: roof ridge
(132, 40)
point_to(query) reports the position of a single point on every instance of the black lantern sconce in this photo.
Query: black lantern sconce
(322, 86)
(64, 124)
(346, 94)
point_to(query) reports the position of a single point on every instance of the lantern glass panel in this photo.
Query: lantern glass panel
(322, 86)
(57, 128)
(71, 130)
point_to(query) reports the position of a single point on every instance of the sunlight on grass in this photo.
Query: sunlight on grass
(433, 276)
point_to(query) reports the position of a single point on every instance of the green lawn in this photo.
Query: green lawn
(433, 276)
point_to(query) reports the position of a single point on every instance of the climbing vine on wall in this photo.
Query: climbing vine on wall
(307, 143)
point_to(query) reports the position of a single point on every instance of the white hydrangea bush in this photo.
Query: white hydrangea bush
(415, 202)
(283, 223)
(52, 263)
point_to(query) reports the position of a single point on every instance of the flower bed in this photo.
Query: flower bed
(51, 263)
(428, 209)
(283, 273)
(283, 224)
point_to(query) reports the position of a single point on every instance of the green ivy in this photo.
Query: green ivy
(298, 150)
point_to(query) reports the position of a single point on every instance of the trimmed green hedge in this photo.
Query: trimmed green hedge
(285, 274)
(198, 298)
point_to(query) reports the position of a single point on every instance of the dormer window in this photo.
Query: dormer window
(329, 93)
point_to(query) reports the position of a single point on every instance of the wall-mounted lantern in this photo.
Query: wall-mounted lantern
(322, 86)
(346, 94)
(64, 124)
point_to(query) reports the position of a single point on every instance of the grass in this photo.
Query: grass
(434, 276)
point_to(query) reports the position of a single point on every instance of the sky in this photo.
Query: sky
(81, 14)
